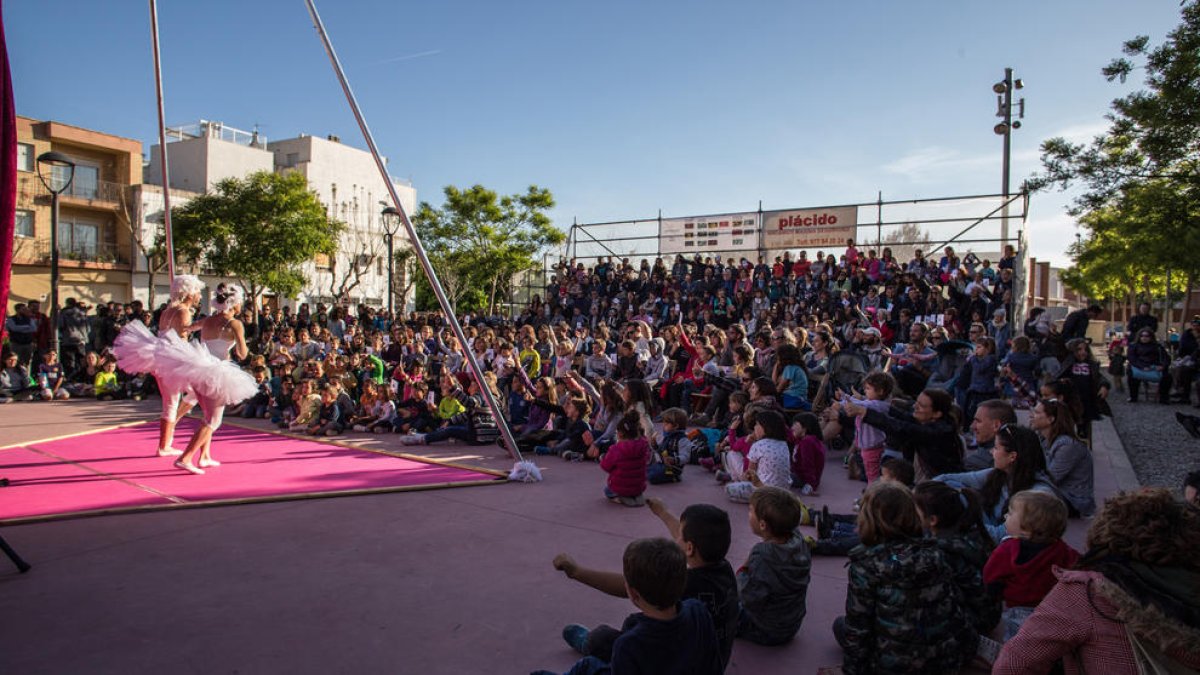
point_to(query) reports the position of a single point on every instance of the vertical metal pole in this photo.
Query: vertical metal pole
(162, 143)
(879, 224)
(391, 279)
(1008, 86)
(53, 273)
(418, 247)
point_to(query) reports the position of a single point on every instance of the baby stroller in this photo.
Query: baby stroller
(952, 356)
(845, 372)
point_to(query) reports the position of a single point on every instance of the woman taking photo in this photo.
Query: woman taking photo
(1018, 464)
(1068, 460)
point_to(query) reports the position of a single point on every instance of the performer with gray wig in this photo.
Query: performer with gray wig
(137, 351)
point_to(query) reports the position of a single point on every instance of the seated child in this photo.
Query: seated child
(518, 407)
(769, 459)
(106, 385)
(51, 379)
(953, 517)
(737, 404)
(1021, 568)
(308, 406)
(837, 533)
(666, 464)
(626, 462)
(670, 636)
(256, 406)
(573, 446)
(704, 533)
(808, 457)
(329, 414)
(773, 583)
(416, 414)
(904, 613)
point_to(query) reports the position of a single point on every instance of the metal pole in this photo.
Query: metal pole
(418, 247)
(1008, 86)
(879, 224)
(54, 273)
(391, 305)
(162, 143)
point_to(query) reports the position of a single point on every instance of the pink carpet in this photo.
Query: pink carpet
(117, 470)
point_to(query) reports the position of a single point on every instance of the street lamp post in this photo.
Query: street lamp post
(56, 172)
(391, 223)
(1004, 109)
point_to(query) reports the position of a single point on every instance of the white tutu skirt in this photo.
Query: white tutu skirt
(136, 348)
(180, 365)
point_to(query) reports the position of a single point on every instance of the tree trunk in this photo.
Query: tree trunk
(1187, 304)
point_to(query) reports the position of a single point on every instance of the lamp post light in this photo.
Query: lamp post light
(391, 223)
(1004, 109)
(56, 172)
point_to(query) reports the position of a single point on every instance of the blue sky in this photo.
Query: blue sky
(621, 108)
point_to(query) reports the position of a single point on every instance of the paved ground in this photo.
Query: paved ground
(447, 581)
(1161, 452)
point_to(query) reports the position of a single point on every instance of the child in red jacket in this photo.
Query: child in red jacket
(1021, 569)
(626, 463)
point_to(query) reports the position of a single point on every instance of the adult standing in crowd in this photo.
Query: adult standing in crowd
(74, 328)
(22, 334)
(1143, 319)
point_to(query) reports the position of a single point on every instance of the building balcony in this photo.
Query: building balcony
(95, 255)
(99, 194)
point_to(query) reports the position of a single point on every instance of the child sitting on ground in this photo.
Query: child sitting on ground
(704, 534)
(737, 405)
(871, 441)
(573, 446)
(666, 464)
(837, 533)
(1021, 568)
(416, 414)
(329, 415)
(953, 517)
(626, 461)
(50, 378)
(904, 613)
(808, 457)
(670, 635)
(769, 459)
(773, 583)
(308, 406)
(106, 385)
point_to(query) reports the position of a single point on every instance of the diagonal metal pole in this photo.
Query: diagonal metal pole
(418, 248)
(162, 143)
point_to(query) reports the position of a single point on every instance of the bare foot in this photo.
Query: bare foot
(180, 464)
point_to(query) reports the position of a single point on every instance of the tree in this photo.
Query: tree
(906, 241)
(1140, 181)
(260, 229)
(478, 241)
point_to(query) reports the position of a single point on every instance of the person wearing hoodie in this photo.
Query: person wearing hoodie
(1131, 604)
(904, 611)
(773, 583)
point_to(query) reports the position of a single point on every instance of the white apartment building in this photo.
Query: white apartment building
(344, 178)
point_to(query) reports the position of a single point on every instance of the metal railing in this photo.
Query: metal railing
(92, 252)
(98, 190)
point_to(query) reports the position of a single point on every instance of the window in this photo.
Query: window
(78, 240)
(24, 157)
(86, 183)
(24, 224)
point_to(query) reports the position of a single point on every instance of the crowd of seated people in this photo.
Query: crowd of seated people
(748, 375)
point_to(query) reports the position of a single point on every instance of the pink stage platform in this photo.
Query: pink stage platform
(116, 470)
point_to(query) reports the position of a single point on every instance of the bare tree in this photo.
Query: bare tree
(358, 251)
(906, 240)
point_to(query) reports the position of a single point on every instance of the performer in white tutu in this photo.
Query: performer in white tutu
(214, 379)
(137, 351)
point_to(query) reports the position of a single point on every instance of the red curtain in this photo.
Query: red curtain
(8, 170)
